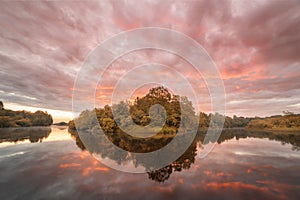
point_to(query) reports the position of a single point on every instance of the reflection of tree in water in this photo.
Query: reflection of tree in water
(161, 175)
(184, 162)
(188, 158)
(97, 145)
(33, 134)
(285, 137)
(79, 142)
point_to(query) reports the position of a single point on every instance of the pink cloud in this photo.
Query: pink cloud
(255, 47)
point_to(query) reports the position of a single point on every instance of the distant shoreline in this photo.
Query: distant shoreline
(274, 129)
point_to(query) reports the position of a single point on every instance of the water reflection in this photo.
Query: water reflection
(33, 134)
(38, 134)
(184, 162)
(187, 159)
(244, 165)
(285, 137)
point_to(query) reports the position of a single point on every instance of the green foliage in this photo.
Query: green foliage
(24, 122)
(179, 112)
(148, 114)
(143, 111)
(10, 118)
(5, 122)
(289, 121)
(215, 120)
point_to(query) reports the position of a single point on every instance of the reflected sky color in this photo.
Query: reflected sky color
(56, 168)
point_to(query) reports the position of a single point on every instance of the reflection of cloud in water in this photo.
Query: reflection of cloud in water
(11, 136)
(60, 170)
(13, 154)
(246, 153)
(249, 148)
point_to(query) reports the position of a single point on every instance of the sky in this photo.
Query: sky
(255, 46)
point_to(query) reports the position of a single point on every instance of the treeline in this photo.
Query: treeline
(179, 112)
(214, 121)
(289, 121)
(10, 118)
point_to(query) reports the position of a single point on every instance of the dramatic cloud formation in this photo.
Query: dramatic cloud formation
(255, 45)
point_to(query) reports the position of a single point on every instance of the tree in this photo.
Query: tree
(1, 105)
(155, 108)
(160, 93)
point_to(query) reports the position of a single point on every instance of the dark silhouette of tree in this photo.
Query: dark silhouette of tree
(1, 105)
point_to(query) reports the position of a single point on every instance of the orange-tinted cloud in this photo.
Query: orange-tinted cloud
(43, 46)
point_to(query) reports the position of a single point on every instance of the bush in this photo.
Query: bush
(10, 118)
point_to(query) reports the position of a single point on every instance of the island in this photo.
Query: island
(61, 124)
(179, 111)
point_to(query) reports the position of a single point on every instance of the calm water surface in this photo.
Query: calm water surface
(48, 163)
